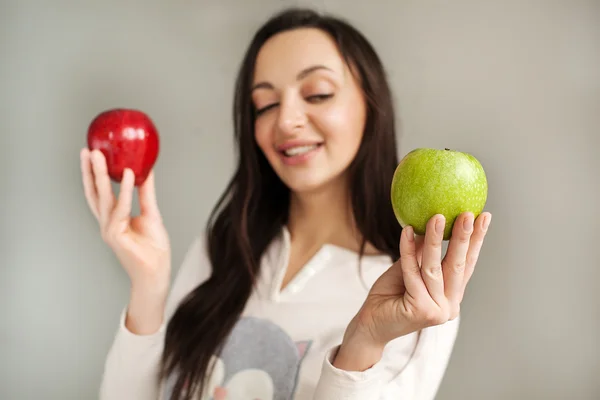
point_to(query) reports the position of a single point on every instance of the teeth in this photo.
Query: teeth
(294, 151)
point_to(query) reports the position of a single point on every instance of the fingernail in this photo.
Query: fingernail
(468, 223)
(130, 174)
(409, 233)
(439, 224)
(486, 222)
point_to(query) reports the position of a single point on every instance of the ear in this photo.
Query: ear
(303, 347)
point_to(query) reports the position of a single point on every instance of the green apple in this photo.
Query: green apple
(433, 181)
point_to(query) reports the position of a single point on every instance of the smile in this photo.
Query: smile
(295, 151)
(300, 154)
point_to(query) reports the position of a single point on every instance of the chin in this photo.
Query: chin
(304, 185)
(307, 183)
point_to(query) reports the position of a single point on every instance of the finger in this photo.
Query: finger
(431, 267)
(419, 240)
(147, 197)
(411, 272)
(106, 197)
(480, 230)
(122, 211)
(453, 265)
(89, 187)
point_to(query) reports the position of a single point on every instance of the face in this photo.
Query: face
(310, 109)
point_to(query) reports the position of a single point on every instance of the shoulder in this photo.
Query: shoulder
(196, 260)
(194, 270)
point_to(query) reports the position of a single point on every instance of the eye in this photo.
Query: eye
(265, 109)
(319, 98)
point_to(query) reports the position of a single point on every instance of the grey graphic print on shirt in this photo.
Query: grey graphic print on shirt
(259, 362)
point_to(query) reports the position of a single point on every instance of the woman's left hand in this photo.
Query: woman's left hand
(420, 289)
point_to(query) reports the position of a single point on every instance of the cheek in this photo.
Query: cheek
(262, 136)
(344, 125)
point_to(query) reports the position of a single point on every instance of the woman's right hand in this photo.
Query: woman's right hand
(140, 243)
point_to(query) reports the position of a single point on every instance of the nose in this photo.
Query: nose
(292, 115)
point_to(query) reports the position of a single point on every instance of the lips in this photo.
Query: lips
(297, 147)
(298, 152)
(297, 143)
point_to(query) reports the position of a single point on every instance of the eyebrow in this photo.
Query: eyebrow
(303, 74)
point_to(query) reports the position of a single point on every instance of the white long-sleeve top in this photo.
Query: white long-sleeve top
(284, 344)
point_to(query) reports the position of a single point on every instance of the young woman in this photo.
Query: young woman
(304, 286)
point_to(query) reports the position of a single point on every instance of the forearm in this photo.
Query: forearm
(145, 311)
(409, 368)
(357, 352)
(132, 365)
(353, 371)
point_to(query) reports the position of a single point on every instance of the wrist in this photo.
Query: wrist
(154, 280)
(155, 287)
(358, 352)
(146, 308)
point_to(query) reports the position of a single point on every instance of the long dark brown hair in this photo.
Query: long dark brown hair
(254, 207)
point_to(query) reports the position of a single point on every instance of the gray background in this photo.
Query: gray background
(517, 83)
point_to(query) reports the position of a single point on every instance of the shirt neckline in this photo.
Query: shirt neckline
(313, 266)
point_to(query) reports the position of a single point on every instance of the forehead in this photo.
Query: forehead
(287, 53)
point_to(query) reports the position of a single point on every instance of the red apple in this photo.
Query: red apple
(128, 139)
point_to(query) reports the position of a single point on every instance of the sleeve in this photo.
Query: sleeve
(132, 365)
(418, 379)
